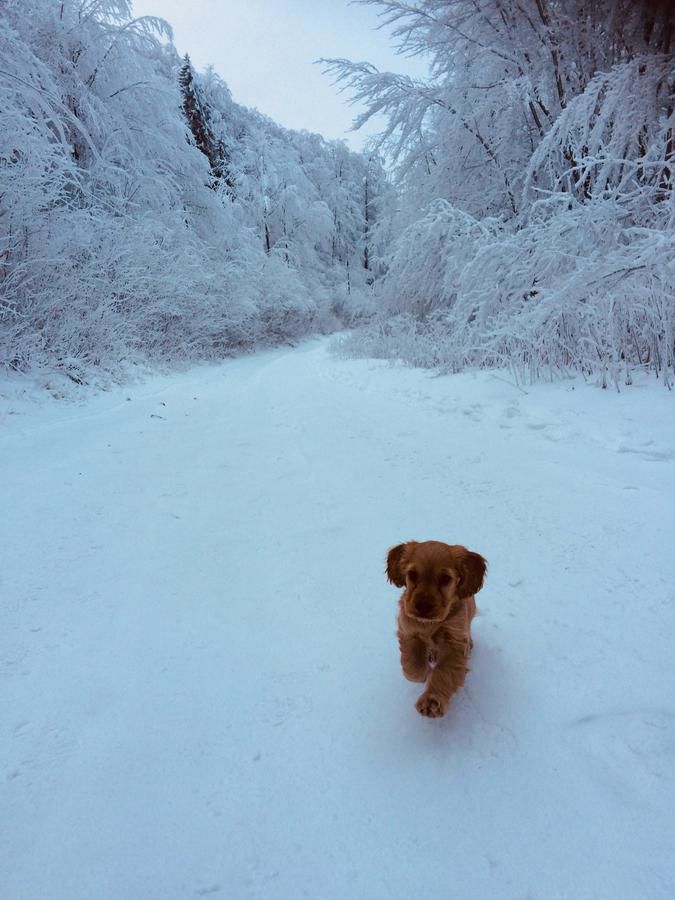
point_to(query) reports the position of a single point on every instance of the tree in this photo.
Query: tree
(544, 135)
(113, 246)
(198, 115)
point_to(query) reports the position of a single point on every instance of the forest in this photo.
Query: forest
(517, 211)
(147, 218)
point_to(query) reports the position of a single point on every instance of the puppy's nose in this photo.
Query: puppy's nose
(424, 606)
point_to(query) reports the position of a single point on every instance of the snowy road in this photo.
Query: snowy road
(199, 685)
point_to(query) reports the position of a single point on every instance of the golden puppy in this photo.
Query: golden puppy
(435, 613)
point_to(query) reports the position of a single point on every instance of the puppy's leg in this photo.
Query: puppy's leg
(444, 680)
(414, 658)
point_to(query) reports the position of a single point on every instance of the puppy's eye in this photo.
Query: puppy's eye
(412, 575)
(444, 580)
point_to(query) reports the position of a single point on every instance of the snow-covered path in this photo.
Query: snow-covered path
(199, 685)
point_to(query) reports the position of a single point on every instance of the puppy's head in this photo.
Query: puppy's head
(434, 575)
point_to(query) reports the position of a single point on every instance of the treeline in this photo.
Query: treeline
(146, 217)
(536, 225)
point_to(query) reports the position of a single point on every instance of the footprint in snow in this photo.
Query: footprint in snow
(632, 746)
(644, 451)
(285, 704)
(36, 748)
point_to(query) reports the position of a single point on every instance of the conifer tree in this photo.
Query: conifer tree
(198, 117)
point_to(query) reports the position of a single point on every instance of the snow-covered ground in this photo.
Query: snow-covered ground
(200, 692)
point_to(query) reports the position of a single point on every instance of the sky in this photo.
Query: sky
(266, 51)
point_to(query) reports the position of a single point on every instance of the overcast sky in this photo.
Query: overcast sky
(265, 50)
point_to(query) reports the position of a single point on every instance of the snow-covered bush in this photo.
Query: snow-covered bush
(577, 288)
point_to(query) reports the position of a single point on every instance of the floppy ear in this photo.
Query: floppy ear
(394, 559)
(472, 568)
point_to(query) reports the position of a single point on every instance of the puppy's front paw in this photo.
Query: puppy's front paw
(418, 674)
(431, 705)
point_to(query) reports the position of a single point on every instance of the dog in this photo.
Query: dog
(435, 613)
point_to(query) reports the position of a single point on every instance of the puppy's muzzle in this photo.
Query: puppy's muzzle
(424, 607)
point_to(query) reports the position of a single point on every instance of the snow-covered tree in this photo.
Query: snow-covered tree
(198, 115)
(113, 246)
(535, 166)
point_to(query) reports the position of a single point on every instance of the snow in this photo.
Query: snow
(200, 688)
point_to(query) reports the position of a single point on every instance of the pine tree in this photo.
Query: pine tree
(198, 116)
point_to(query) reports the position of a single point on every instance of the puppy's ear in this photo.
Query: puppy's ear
(472, 568)
(394, 559)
